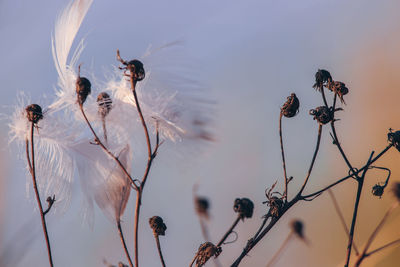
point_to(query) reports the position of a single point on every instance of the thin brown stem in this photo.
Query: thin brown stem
(98, 142)
(360, 181)
(280, 250)
(42, 215)
(383, 247)
(375, 232)
(323, 96)
(136, 226)
(103, 121)
(337, 143)
(313, 159)
(121, 235)
(342, 220)
(159, 250)
(228, 232)
(283, 157)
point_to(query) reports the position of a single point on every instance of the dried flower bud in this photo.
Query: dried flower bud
(244, 207)
(291, 106)
(158, 226)
(205, 252)
(298, 228)
(105, 104)
(377, 190)
(321, 77)
(202, 205)
(83, 89)
(394, 138)
(34, 113)
(136, 68)
(339, 88)
(322, 114)
(396, 190)
(275, 206)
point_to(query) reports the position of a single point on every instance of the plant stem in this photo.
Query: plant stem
(280, 250)
(383, 247)
(342, 220)
(33, 173)
(229, 231)
(283, 157)
(360, 181)
(159, 249)
(121, 235)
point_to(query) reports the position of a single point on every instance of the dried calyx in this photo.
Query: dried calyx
(322, 77)
(83, 89)
(394, 138)
(136, 69)
(291, 106)
(377, 190)
(339, 88)
(205, 252)
(105, 104)
(322, 114)
(158, 225)
(244, 207)
(34, 113)
(202, 205)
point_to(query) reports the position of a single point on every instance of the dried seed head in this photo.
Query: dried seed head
(105, 104)
(205, 252)
(322, 114)
(377, 190)
(339, 88)
(322, 77)
(158, 226)
(298, 228)
(396, 190)
(394, 138)
(291, 106)
(275, 206)
(244, 207)
(136, 68)
(83, 89)
(34, 113)
(202, 205)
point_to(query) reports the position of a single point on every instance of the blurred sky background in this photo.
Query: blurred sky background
(252, 55)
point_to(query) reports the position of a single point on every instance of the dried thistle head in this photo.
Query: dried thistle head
(158, 225)
(244, 207)
(396, 190)
(322, 114)
(394, 138)
(202, 205)
(322, 77)
(339, 88)
(291, 107)
(298, 228)
(105, 104)
(34, 113)
(205, 252)
(377, 190)
(83, 89)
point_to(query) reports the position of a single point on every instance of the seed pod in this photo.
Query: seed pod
(202, 205)
(136, 68)
(298, 228)
(291, 107)
(377, 190)
(34, 113)
(158, 226)
(83, 89)
(205, 252)
(322, 77)
(322, 114)
(105, 104)
(339, 88)
(244, 207)
(394, 138)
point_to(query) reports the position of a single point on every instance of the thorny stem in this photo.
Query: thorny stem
(121, 235)
(98, 142)
(159, 249)
(283, 157)
(313, 159)
(229, 231)
(360, 181)
(374, 233)
(33, 173)
(342, 220)
(280, 250)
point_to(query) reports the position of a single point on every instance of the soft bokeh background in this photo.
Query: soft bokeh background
(252, 54)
